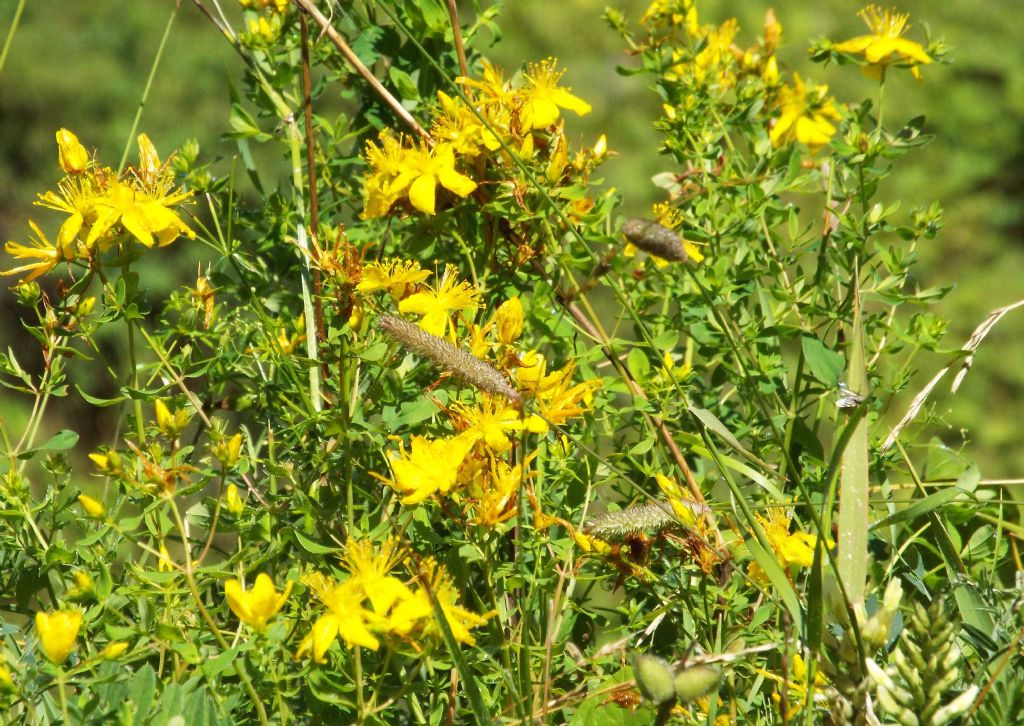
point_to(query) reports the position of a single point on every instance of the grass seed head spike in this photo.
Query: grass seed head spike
(655, 239)
(617, 526)
(447, 357)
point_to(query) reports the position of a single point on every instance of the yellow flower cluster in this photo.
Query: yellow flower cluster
(707, 56)
(804, 113)
(102, 208)
(474, 464)
(406, 174)
(372, 603)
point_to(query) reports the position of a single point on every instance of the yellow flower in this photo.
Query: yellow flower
(57, 633)
(436, 305)
(232, 502)
(77, 199)
(92, 507)
(674, 493)
(46, 254)
(256, 606)
(415, 610)
(115, 649)
(413, 172)
(146, 216)
(150, 165)
(429, 466)
(271, 6)
(796, 548)
(492, 421)
(457, 125)
(805, 115)
(6, 682)
(71, 155)
(715, 61)
(345, 616)
(497, 494)
(672, 372)
(672, 13)
(83, 586)
(370, 567)
(885, 45)
(543, 96)
(557, 399)
(396, 276)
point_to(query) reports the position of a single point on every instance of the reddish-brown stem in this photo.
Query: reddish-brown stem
(353, 60)
(460, 47)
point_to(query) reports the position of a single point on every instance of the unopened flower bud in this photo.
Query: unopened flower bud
(227, 451)
(509, 319)
(115, 649)
(165, 564)
(83, 588)
(108, 463)
(232, 502)
(71, 154)
(28, 293)
(149, 160)
(92, 507)
(170, 425)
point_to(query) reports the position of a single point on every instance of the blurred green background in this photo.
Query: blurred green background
(83, 65)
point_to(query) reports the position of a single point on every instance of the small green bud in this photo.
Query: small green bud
(695, 681)
(28, 293)
(654, 678)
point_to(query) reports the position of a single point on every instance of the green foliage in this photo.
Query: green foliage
(438, 435)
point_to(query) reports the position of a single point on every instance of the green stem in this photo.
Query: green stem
(62, 690)
(149, 84)
(198, 598)
(140, 428)
(10, 33)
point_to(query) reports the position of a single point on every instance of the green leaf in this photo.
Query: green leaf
(781, 586)
(93, 400)
(826, 365)
(921, 507)
(638, 364)
(314, 548)
(712, 423)
(60, 441)
(141, 693)
(852, 539)
(467, 676)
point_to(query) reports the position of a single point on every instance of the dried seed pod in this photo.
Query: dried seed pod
(655, 239)
(446, 356)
